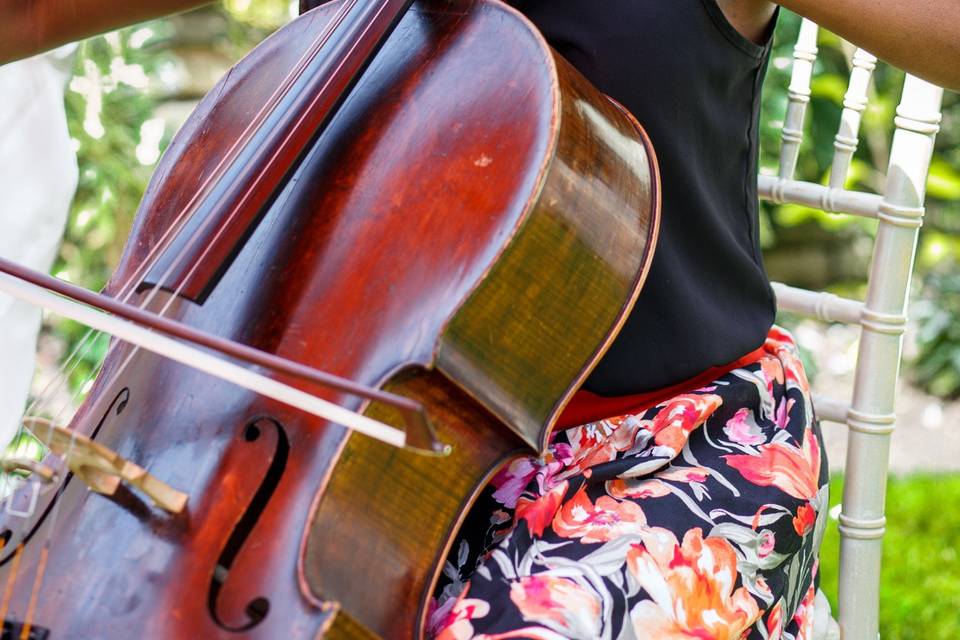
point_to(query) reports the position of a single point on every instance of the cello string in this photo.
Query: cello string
(11, 580)
(63, 374)
(23, 522)
(35, 591)
(41, 401)
(257, 121)
(219, 232)
(230, 155)
(128, 288)
(182, 254)
(9, 481)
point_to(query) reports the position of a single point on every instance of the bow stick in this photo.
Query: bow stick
(134, 325)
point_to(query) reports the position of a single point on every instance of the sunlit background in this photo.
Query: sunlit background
(132, 89)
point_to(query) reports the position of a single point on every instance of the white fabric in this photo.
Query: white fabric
(38, 177)
(824, 626)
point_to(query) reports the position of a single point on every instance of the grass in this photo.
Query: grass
(920, 593)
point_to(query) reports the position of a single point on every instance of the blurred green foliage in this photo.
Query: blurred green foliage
(121, 81)
(937, 368)
(110, 87)
(920, 591)
(936, 307)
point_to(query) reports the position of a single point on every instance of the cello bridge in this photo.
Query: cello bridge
(101, 468)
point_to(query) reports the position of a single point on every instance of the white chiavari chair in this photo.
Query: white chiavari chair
(882, 316)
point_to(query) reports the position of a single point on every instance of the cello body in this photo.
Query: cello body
(469, 231)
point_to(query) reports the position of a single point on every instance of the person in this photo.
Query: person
(684, 492)
(38, 176)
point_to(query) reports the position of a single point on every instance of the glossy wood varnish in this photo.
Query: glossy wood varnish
(470, 231)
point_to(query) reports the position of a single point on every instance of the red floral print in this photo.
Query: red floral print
(654, 525)
(793, 470)
(538, 513)
(558, 603)
(597, 522)
(681, 415)
(692, 588)
(452, 622)
(514, 478)
(804, 520)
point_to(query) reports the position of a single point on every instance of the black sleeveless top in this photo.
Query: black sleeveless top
(693, 82)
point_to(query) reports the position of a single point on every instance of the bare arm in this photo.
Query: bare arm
(921, 36)
(750, 17)
(31, 26)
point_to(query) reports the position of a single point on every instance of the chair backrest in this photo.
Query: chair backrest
(882, 316)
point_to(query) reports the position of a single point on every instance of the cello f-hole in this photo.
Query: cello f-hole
(257, 608)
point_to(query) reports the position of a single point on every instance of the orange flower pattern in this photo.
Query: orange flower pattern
(691, 586)
(794, 470)
(605, 520)
(557, 603)
(699, 518)
(538, 512)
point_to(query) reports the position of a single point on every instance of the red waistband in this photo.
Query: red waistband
(587, 407)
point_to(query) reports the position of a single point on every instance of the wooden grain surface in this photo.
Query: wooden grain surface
(469, 230)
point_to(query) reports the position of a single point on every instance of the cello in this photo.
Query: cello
(419, 198)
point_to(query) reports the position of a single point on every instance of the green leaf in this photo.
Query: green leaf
(944, 181)
(831, 86)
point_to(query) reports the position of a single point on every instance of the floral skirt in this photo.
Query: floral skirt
(700, 518)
